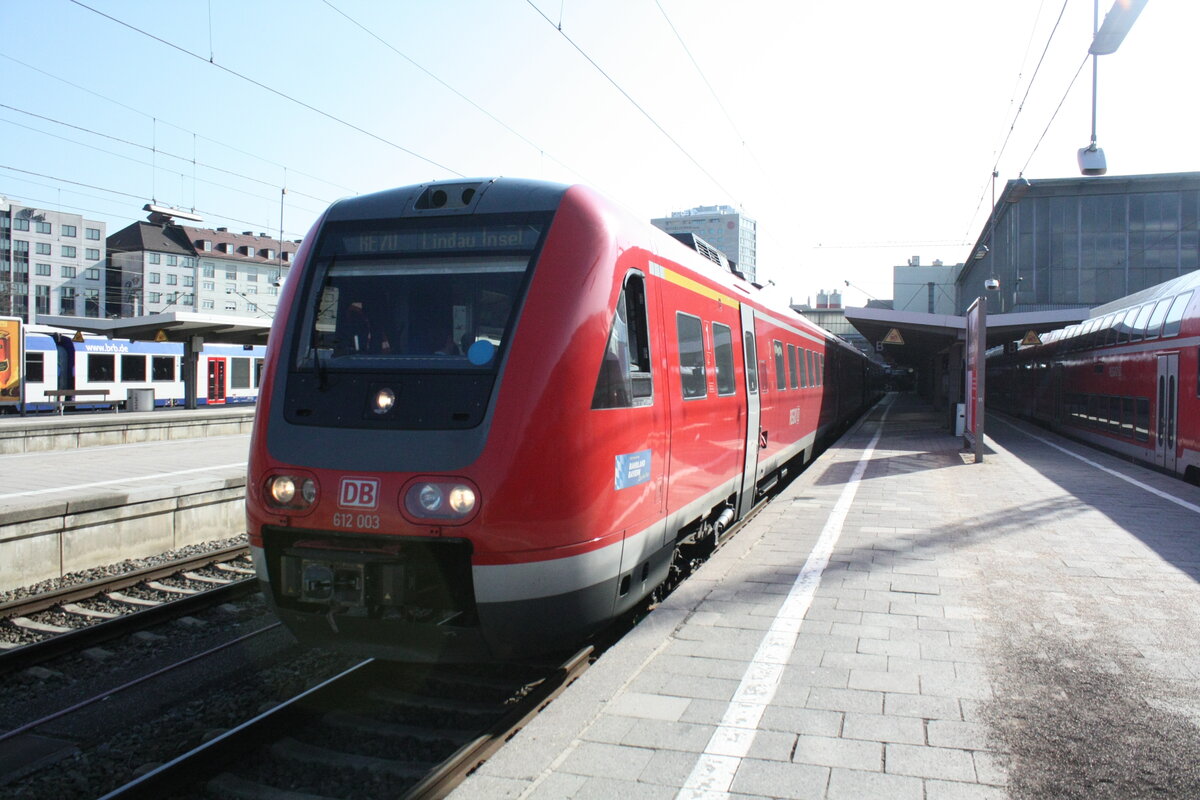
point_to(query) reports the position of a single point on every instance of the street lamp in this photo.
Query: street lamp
(1106, 39)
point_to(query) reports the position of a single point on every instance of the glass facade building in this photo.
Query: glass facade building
(1083, 242)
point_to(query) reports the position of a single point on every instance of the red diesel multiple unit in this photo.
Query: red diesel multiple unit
(1125, 379)
(493, 409)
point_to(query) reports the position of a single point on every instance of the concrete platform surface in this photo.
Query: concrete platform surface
(903, 623)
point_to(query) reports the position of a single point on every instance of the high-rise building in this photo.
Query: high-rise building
(51, 263)
(734, 234)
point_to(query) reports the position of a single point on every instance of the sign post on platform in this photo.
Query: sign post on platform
(976, 347)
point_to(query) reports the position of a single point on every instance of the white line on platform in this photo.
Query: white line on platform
(1158, 492)
(713, 774)
(157, 476)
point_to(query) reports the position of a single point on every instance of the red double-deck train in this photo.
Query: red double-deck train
(492, 411)
(1125, 379)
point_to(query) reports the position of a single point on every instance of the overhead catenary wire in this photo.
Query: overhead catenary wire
(139, 198)
(452, 90)
(158, 151)
(1012, 126)
(274, 91)
(147, 115)
(628, 97)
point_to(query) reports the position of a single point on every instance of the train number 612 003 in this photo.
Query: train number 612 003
(356, 521)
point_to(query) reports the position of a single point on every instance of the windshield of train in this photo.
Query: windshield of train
(430, 298)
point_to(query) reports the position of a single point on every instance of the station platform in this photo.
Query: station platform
(84, 490)
(904, 623)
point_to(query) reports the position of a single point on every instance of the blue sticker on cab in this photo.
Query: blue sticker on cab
(632, 469)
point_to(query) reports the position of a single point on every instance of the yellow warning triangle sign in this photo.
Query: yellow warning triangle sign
(161, 336)
(893, 337)
(78, 337)
(1031, 339)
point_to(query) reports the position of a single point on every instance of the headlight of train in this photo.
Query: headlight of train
(443, 500)
(293, 492)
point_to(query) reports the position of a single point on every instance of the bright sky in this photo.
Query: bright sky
(858, 133)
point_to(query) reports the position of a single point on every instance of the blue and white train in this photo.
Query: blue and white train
(226, 374)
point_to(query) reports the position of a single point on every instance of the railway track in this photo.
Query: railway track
(378, 729)
(36, 628)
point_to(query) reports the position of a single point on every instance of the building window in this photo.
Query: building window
(206, 245)
(43, 227)
(188, 261)
(206, 304)
(68, 251)
(42, 269)
(172, 279)
(92, 233)
(41, 299)
(268, 253)
(230, 306)
(155, 278)
(92, 253)
(172, 261)
(154, 297)
(154, 258)
(208, 286)
(67, 272)
(252, 277)
(91, 302)
(66, 301)
(69, 230)
(231, 274)
(20, 224)
(43, 248)
(208, 271)
(251, 290)
(188, 280)
(92, 274)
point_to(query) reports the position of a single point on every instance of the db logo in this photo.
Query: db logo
(359, 493)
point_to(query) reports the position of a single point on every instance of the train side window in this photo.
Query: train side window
(625, 379)
(101, 368)
(1127, 415)
(162, 368)
(780, 369)
(1108, 333)
(35, 367)
(819, 363)
(792, 366)
(691, 356)
(239, 373)
(1156, 319)
(751, 363)
(133, 368)
(723, 350)
(1141, 428)
(806, 372)
(1175, 315)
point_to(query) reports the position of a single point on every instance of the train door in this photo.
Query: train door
(216, 381)
(1168, 411)
(750, 467)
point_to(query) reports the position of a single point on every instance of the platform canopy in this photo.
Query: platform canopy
(927, 335)
(176, 326)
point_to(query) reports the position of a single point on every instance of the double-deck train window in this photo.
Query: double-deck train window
(723, 350)
(691, 356)
(1174, 318)
(1156, 319)
(625, 379)
(780, 370)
